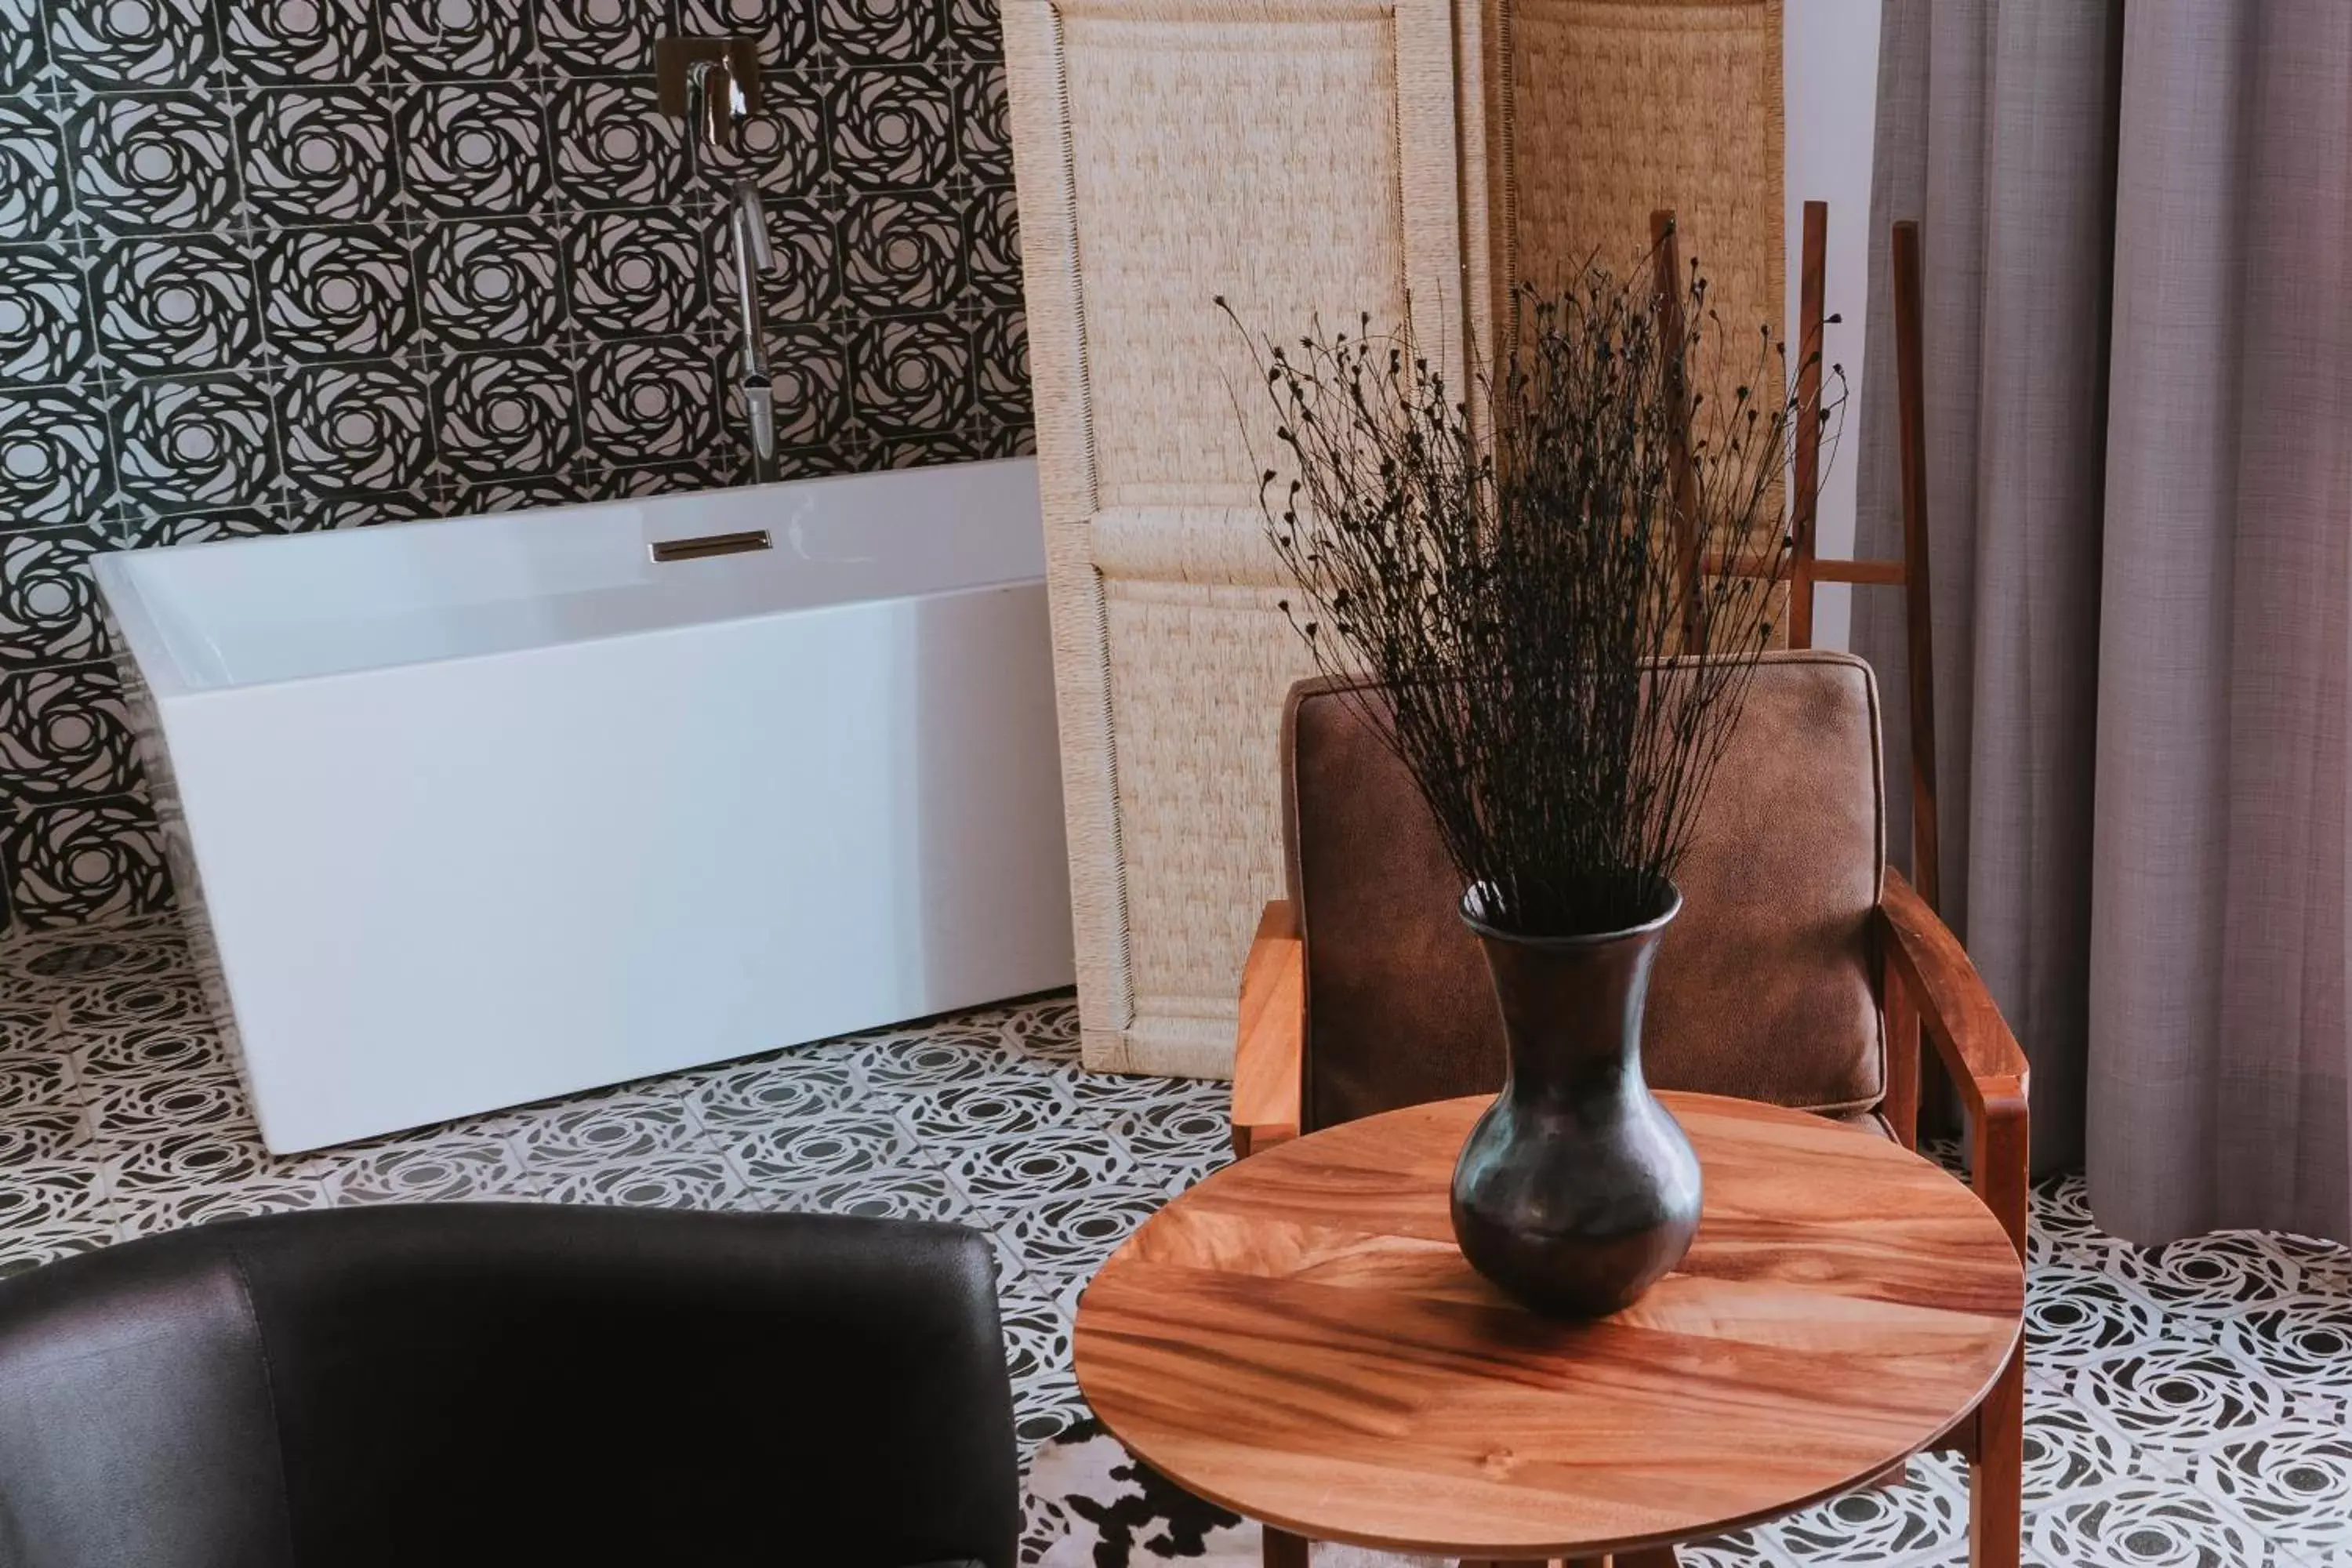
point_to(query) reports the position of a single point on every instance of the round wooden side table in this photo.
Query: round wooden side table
(1298, 1339)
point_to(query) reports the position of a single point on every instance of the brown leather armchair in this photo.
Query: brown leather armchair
(1801, 971)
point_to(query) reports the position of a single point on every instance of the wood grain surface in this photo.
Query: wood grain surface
(1298, 1339)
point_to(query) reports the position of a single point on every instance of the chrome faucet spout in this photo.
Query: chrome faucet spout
(751, 219)
(754, 254)
(717, 98)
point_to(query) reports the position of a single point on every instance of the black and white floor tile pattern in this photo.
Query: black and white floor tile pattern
(2189, 1407)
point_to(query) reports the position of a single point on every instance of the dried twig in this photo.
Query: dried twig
(1519, 601)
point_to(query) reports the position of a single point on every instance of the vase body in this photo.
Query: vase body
(1576, 1190)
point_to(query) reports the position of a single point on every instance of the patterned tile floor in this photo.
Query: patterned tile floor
(2191, 1404)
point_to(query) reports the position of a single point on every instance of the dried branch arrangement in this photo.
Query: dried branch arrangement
(1513, 570)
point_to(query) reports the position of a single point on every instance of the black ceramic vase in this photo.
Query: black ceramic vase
(1576, 1190)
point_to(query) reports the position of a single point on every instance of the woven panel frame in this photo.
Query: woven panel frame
(1299, 158)
(1308, 159)
(1602, 111)
(1599, 112)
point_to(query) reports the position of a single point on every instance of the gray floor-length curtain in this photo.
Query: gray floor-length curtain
(2138, 330)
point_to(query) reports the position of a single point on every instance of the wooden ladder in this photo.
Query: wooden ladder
(1807, 569)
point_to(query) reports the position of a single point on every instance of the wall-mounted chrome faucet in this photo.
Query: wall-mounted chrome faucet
(714, 83)
(753, 256)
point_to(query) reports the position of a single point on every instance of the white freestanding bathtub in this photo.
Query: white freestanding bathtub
(473, 812)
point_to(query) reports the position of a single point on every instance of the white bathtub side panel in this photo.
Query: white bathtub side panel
(446, 888)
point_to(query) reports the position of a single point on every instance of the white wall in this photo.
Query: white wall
(1830, 80)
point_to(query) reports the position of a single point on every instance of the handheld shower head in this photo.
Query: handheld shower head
(751, 227)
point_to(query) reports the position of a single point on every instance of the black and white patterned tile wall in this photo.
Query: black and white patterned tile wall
(270, 265)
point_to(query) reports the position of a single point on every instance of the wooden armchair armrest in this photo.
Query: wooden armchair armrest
(1941, 986)
(1268, 1051)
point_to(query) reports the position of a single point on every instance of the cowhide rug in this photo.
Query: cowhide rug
(1093, 1506)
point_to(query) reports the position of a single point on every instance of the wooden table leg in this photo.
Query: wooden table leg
(1995, 1509)
(1283, 1550)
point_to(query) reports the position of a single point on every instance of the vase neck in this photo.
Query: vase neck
(1572, 1011)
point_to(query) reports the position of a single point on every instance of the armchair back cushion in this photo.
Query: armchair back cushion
(1765, 986)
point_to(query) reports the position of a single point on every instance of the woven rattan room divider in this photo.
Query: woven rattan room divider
(1306, 160)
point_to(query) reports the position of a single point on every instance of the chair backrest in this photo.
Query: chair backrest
(1765, 986)
(504, 1383)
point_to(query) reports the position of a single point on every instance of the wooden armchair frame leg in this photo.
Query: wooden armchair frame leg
(1934, 993)
(1269, 1074)
(1268, 1079)
(1998, 1160)
(1283, 1550)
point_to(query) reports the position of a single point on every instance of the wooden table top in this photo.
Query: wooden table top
(1298, 1339)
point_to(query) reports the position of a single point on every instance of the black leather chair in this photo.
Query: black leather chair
(453, 1385)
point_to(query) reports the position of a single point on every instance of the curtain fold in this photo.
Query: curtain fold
(2138, 351)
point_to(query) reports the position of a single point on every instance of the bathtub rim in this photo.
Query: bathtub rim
(125, 603)
(174, 688)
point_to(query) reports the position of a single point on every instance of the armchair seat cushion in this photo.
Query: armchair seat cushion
(1870, 1121)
